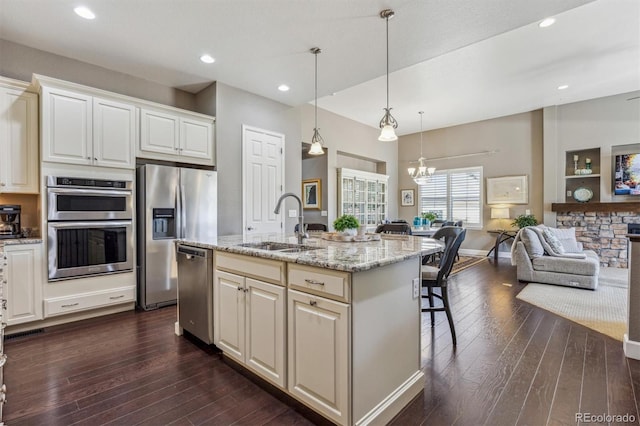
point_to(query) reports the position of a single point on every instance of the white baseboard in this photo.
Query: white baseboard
(631, 348)
(475, 252)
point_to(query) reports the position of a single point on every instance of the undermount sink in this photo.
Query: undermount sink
(280, 247)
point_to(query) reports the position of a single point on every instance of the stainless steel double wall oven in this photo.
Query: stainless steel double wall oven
(89, 226)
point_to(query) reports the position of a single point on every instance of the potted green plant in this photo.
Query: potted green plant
(427, 218)
(347, 224)
(525, 220)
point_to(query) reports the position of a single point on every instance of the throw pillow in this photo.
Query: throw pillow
(567, 237)
(531, 243)
(553, 241)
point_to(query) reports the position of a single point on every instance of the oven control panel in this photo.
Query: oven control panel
(57, 181)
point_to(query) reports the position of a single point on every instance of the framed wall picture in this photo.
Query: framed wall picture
(311, 194)
(508, 190)
(407, 197)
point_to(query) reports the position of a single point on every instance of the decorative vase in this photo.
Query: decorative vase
(351, 232)
(417, 221)
(426, 222)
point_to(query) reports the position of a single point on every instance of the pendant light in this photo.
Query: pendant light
(423, 173)
(316, 139)
(388, 124)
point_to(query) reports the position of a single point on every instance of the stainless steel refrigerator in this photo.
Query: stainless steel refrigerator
(172, 203)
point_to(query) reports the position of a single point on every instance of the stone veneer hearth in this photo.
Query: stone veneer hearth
(603, 232)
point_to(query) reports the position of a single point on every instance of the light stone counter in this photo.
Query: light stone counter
(13, 241)
(340, 256)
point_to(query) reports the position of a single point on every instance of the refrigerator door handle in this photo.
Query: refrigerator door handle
(178, 213)
(183, 228)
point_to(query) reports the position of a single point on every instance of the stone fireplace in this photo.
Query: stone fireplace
(602, 227)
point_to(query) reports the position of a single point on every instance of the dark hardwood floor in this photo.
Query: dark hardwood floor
(514, 364)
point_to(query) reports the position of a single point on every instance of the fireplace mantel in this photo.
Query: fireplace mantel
(633, 206)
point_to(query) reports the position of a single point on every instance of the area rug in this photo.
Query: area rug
(603, 309)
(466, 262)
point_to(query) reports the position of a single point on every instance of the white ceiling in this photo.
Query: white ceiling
(458, 60)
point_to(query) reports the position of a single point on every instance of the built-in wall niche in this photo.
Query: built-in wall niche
(316, 167)
(29, 209)
(582, 174)
(358, 162)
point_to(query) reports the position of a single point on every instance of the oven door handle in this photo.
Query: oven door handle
(96, 192)
(92, 224)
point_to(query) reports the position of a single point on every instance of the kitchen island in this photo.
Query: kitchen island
(335, 325)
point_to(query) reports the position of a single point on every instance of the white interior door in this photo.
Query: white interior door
(262, 153)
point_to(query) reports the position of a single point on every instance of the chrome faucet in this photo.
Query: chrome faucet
(300, 233)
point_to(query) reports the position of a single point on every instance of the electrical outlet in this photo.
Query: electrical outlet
(568, 193)
(293, 213)
(324, 213)
(527, 212)
(416, 288)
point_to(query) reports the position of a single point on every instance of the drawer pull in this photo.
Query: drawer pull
(116, 297)
(240, 288)
(70, 305)
(306, 280)
(313, 302)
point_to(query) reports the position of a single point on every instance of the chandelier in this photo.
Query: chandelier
(316, 139)
(422, 174)
(388, 124)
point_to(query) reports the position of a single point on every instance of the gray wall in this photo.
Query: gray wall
(233, 108)
(606, 123)
(20, 62)
(518, 142)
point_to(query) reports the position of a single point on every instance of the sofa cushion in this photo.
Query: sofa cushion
(553, 241)
(588, 266)
(531, 243)
(567, 237)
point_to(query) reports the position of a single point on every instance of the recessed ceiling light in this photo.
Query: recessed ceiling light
(84, 12)
(283, 88)
(562, 87)
(547, 22)
(207, 59)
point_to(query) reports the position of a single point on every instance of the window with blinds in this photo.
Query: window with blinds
(454, 195)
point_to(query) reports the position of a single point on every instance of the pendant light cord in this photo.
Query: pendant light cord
(315, 52)
(387, 19)
(421, 114)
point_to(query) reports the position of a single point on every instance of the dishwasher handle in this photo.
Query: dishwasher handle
(193, 251)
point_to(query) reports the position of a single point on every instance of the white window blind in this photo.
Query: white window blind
(454, 195)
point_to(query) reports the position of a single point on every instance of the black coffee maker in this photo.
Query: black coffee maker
(10, 221)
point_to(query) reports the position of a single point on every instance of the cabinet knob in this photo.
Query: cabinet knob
(3, 184)
(240, 288)
(313, 303)
(95, 159)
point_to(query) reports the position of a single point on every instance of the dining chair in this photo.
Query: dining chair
(437, 277)
(313, 227)
(394, 228)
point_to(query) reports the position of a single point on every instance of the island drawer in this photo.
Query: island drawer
(271, 271)
(322, 282)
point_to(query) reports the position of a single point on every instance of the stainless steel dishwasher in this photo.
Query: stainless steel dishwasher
(195, 291)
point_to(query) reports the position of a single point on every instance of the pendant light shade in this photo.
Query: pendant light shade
(316, 139)
(388, 124)
(422, 174)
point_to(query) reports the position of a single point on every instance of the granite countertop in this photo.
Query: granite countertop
(12, 241)
(341, 256)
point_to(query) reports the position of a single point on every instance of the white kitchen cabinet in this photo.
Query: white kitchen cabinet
(23, 283)
(249, 322)
(114, 133)
(167, 134)
(318, 354)
(19, 163)
(363, 195)
(78, 128)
